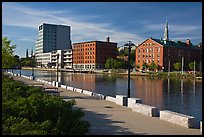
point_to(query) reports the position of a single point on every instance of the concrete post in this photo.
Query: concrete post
(58, 84)
(121, 100)
(53, 83)
(132, 101)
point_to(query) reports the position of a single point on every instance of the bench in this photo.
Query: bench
(51, 88)
(37, 85)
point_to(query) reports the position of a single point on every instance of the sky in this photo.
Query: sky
(89, 21)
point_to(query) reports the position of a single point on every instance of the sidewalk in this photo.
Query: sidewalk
(108, 118)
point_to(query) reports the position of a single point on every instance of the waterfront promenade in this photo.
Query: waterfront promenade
(108, 118)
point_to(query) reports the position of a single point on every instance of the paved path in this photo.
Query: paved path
(107, 118)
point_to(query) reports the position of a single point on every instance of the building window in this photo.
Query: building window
(158, 49)
(146, 60)
(147, 50)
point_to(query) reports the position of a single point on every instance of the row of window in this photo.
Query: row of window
(149, 61)
(148, 44)
(89, 57)
(84, 45)
(89, 61)
(149, 50)
(149, 55)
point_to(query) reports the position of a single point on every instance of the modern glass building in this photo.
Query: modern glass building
(51, 37)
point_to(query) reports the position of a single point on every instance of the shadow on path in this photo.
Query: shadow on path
(101, 124)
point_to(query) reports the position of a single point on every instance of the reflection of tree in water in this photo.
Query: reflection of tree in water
(109, 78)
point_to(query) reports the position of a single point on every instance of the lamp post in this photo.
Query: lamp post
(129, 44)
(20, 70)
(33, 64)
(33, 71)
(57, 65)
(169, 69)
(194, 68)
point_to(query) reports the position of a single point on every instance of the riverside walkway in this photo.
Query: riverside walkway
(108, 118)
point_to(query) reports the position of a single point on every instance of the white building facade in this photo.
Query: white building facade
(51, 38)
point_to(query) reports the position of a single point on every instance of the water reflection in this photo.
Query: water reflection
(183, 96)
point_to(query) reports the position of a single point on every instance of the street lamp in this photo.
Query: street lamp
(33, 65)
(20, 69)
(57, 65)
(129, 44)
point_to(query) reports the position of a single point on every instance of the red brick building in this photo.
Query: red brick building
(93, 54)
(163, 53)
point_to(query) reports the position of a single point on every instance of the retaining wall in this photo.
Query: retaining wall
(109, 98)
(177, 118)
(145, 109)
(87, 92)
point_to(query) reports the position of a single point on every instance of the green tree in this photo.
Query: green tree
(114, 63)
(191, 65)
(8, 59)
(137, 66)
(177, 66)
(153, 66)
(145, 65)
(108, 63)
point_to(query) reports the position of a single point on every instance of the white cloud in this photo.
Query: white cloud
(15, 14)
(175, 29)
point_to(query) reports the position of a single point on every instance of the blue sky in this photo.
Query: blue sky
(122, 21)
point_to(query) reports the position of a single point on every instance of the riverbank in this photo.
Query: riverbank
(122, 72)
(108, 118)
(41, 69)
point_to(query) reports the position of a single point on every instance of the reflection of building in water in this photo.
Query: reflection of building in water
(66, 78)
(150, 91)
(85, 81)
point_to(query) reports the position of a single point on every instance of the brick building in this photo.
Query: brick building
(93, 54)
(165, 52)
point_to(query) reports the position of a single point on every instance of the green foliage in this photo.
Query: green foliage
(177, 65)
(27, 62)
(191, 65)
(145, 65)
(27, 111)
(114, 63)
(8, 59)
(137, 66)
(153, 66)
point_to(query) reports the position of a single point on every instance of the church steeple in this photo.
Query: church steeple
(166, 32)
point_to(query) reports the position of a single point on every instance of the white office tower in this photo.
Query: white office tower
(51, 38)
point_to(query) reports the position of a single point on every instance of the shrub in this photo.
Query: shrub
(27, 111)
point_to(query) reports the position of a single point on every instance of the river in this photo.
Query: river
(178, 95)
